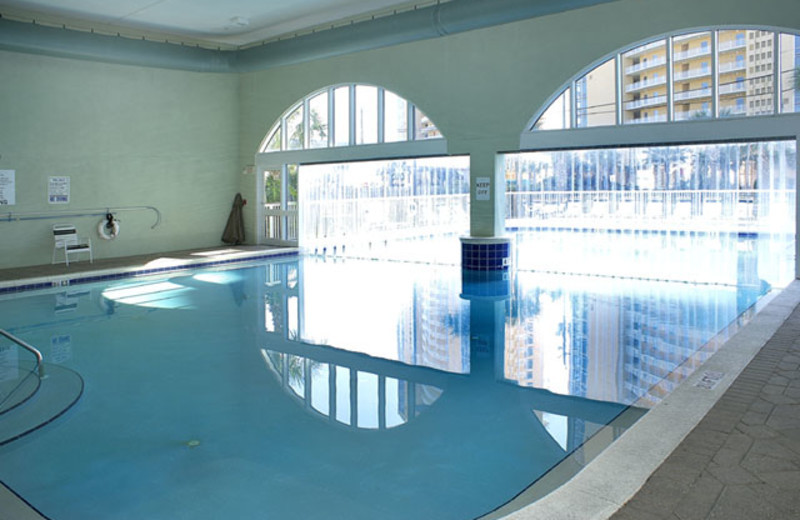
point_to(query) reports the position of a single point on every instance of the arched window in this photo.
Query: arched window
(685, 76)
(348, 115)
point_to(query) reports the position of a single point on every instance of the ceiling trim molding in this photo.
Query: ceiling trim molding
(429, 22)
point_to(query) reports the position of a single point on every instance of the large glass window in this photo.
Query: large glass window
(341, 100)
(644, 77)
(655, 200)
(295, 129)
(395, 127)
(691, 76)
(595, 97)
(366, 114)
(355, 116)
(318, 121)
(687, 76)
(557, 116)
(379, 209)
(790, 73)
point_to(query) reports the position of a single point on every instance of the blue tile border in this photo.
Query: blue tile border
(485, 254)
(61, 282)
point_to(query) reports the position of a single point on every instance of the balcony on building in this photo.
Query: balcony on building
(647, 83)
(646, 65)
(692, 94)
(646, 102)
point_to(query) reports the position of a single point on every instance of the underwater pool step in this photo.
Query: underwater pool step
(17, 385)
(59, 390)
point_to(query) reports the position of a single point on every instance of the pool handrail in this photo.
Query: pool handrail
(28, 347)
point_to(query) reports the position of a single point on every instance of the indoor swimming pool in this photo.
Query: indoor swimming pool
(332, 387)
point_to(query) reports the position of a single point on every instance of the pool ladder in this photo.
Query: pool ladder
(33, 350)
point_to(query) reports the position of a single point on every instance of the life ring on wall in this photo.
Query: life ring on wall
(108, 229)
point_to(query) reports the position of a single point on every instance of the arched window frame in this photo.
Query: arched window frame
(418, 127)
(570, 92)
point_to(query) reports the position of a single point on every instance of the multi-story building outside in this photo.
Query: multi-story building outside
(692, 74)
(644, 83)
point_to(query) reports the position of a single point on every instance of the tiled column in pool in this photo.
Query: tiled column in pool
(485, 254)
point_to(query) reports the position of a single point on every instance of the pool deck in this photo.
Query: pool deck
(724, 445)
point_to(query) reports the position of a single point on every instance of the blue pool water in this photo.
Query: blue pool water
(335, 388)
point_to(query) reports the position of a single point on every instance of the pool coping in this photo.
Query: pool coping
(610, 480)
(102, 274)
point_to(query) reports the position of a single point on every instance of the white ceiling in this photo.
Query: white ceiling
(227, 22)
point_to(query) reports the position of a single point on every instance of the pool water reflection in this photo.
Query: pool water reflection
(344, 388)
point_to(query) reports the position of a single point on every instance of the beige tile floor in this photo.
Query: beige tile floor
(186, 258)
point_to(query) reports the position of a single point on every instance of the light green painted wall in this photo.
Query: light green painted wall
(126, 136)
(180, 140)
(482, 87)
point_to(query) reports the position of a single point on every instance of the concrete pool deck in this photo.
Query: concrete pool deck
(725, 444)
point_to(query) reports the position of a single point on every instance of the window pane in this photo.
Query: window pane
(294, 129)
(395, 118)
(318, 121)
(272, 188)
(366, 114)
(341, 114)
(343, 395)
(297, 375)
(595, 97)
(291, 189)
(790, 75)
(644, 71)
(367, 400)
(424, 127)
(750, 68)
(557, 115)
(320, 387)
(274, 144)
(691, 76)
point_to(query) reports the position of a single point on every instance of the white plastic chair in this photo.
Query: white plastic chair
(65, 237)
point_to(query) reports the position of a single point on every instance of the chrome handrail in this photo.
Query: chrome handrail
(30, 348)
(94, 212)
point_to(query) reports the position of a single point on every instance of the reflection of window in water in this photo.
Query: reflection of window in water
(350, 397)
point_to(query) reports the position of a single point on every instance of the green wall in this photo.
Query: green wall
(126, 136)
(131, 136)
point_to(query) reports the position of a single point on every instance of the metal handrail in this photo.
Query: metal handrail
(30, 348)
(94, 212)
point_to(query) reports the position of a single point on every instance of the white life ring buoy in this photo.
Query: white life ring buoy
(108, 229)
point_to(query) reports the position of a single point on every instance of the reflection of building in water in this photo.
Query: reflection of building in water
(348, 396)
(619, 343)
(432, 331)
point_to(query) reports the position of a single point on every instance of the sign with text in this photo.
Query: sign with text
(482, 186)
(7, 188)
(58, 190)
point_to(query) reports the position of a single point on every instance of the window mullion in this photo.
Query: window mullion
(331, 118)
(381, 115)
(352, 114)
(776, 76)
(306, 125)
(670, 86)
(714, 74)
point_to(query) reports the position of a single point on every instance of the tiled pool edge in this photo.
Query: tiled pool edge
(117, 273)
(618, 472)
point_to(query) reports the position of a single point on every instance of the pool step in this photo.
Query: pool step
(18, 383)
(57, 392)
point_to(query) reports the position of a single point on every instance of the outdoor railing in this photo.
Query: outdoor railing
(732, 210)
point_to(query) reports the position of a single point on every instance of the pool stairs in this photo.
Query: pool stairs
(32, 393)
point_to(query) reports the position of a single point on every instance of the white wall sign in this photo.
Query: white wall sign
(7, 188)
(58, 190)
(482, 185)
